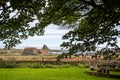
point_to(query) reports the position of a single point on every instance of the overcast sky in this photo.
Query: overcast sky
(52, 38)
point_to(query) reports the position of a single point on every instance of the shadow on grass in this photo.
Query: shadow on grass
(103, 74)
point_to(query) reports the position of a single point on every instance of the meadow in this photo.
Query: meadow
(71, 73)
(34, 67)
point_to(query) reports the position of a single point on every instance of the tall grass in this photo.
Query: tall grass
(14, 64)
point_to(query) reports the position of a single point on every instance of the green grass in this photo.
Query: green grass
(73, 73)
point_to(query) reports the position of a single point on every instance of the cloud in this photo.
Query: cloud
(118, 42)
(54, 29)
(51, 32)
(52, 38)
(45, 37)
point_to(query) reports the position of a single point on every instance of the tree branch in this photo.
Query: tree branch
(92, 3)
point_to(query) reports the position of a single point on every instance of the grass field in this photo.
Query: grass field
(73, 73)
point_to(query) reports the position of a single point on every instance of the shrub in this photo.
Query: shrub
(8, 64)
(81, 65)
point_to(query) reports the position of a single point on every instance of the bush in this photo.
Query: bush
(66, 66)
(40, 65)
(81, 65)
(8, 64)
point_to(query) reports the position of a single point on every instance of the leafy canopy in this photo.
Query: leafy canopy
(95, 22)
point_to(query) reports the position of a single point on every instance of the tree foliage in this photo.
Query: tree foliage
(15, 18)
(99, 26)
(94, 21)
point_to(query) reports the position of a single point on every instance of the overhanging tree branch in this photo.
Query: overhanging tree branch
(92, 3)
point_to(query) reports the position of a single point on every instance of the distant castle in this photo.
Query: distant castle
(34, 51)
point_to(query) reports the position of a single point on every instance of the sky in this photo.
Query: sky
(52, 38)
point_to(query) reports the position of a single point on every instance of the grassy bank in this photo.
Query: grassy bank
(71, 73)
